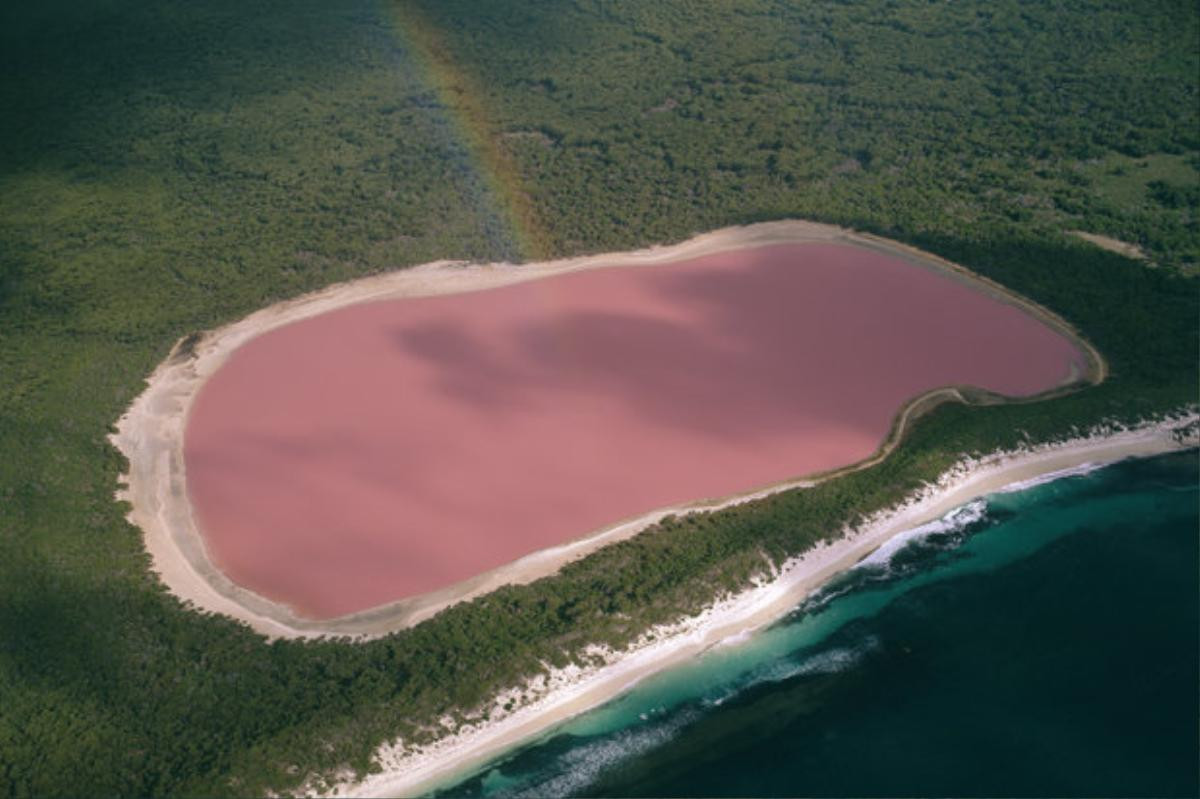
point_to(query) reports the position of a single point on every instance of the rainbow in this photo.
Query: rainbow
(464, 102)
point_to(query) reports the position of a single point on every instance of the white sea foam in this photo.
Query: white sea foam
(582, 765)
(406, 767)
(955, 520)
(829, 661)
(1050, 477)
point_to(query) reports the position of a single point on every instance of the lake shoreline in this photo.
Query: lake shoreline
(151, 432)
(571, 691)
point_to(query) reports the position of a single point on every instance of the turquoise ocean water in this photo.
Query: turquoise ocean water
(1039, 642)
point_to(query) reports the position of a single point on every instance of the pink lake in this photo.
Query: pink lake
(389, 449)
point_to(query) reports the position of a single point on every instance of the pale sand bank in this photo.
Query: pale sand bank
(569, 692)
(1111, 244)
(150, 434)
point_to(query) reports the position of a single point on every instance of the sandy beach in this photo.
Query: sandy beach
(569, 692)
(151, 432)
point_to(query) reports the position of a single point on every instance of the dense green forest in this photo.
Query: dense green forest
(168, 167)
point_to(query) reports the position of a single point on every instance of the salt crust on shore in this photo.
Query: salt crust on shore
(150, 433)
(550, 699)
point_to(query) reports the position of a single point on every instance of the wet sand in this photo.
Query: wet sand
(340, 457)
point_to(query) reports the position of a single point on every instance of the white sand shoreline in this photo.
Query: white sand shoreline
(569, 692)
(150, 433)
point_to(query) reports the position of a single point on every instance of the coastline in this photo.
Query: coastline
(150, 433)
(571, 691)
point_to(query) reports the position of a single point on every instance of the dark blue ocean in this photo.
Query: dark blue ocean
(1044, 642)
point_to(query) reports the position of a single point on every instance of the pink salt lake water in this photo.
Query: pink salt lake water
(389, 449)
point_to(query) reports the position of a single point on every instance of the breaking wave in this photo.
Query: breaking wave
(957, 521)
(830, 661)
(1050, 477)
(585, 762)
(827, 643)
